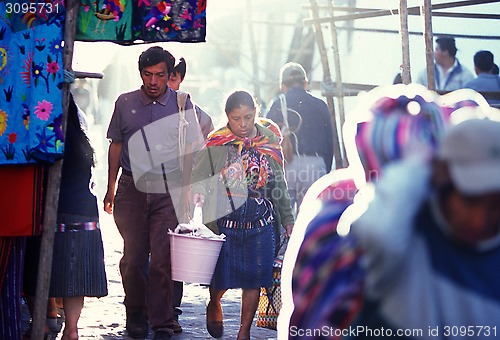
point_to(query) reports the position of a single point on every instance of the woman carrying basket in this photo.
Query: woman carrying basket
(239, 179)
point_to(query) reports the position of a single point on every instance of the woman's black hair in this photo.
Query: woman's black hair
(77, 147)
(237, 99)
(155, 55)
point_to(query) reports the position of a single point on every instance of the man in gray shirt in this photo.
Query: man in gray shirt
(152, 141)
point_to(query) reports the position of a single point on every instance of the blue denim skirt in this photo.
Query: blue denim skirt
(246, 258)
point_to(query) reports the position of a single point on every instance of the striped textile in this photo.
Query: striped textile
(5, 245)
(328, 279)
(10, 294)
(78, 261)
(393, 128)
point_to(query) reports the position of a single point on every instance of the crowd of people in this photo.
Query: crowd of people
(404, 241)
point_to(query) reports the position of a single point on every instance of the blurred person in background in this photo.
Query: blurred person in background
(310, 130)
(494, 69)
(323, 276)
(431, 240)
(174, 82)
(486, 80)
(449, 73)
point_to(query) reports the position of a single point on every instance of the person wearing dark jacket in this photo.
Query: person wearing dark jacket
(311, 129)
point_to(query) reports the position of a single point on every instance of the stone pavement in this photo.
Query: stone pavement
(104, 318)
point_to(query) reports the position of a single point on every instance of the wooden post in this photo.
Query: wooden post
(253, 50)
(338, 78)
(405, 41)
(52, 195)
(327, 78)
(429, 46)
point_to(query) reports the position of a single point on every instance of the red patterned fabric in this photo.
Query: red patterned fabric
(21, 200)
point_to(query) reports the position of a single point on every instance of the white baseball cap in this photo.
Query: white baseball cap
(472, 151)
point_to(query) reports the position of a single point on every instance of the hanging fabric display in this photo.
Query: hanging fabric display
(127, 21)
(170, 20)
(105, 20)
(31, 71)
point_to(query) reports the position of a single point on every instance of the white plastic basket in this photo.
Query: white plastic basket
(193, 258)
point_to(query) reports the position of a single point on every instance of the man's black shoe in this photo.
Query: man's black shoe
(137, 325)
(162, 335)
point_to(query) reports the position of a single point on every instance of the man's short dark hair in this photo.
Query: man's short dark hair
(181, 68)
(483, 60)
(155, 55)
(447, 44)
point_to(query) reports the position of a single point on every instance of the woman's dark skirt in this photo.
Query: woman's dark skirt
(78, 264)
(246, 258)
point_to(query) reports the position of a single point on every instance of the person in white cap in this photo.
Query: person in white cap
(431, 241)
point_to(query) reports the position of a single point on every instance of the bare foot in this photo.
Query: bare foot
(70, 335)
(242, 335)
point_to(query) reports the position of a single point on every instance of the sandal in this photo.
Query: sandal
(215, 325)
(54, 325)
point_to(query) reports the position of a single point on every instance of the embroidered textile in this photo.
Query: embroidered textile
(126, 21)
(225, 136)
(248, 171)
(31, 70)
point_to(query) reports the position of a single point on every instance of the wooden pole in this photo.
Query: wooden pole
(429, 46)
(411, 10)
(327, 78)
(338, 78)
(253, 49)
(52, 196)
(405, 41)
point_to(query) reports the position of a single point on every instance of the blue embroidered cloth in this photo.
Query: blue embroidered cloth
(126, 21)
(31, 71)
